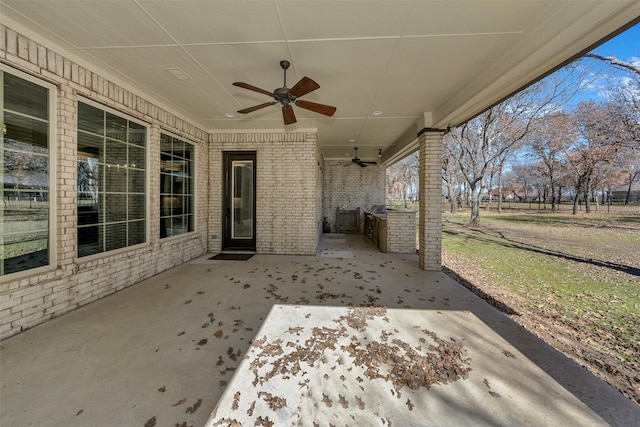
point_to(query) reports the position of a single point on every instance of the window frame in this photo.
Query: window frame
(194, 189)
(147, 176)
(52, 146)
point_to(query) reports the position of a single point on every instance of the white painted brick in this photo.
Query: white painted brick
(41, 297)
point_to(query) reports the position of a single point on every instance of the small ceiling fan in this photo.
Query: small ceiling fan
(361, 163)
(286, 97)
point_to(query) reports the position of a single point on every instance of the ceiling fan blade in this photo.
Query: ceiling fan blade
(303, 87)
(327, 110)
(253, 88)
(288, 114)
(256, 107)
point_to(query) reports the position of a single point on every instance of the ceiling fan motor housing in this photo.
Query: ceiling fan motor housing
(286, 97)
(283, 96)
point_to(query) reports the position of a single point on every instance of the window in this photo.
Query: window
(111, 181)
(25, 213)
(176, 186)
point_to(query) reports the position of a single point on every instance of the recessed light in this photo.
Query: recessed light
(377, 113)
(352, 140)
(230, 115)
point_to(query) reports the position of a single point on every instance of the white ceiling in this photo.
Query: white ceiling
(422, 63)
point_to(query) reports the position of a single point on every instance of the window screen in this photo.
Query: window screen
(176, 186)
(111, 181)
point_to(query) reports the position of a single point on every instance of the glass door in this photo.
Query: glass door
(240, 201)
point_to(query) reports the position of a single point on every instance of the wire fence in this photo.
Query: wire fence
(564, 207)
(534, 206)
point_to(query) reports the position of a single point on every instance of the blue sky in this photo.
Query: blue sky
(626, 47)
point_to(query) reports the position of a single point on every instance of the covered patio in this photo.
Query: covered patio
(171, 349)
(118, 316)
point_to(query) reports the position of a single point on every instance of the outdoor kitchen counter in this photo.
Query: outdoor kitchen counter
(393, 232)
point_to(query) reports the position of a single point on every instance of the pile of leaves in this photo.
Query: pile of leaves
(390, 359)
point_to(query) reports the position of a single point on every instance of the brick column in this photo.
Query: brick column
(430, 204)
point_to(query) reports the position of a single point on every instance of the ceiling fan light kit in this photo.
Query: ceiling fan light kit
(286, 97)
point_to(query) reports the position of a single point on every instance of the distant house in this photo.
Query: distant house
(619, 193)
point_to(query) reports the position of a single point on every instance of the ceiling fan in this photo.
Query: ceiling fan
(361, 163)
(286, 97)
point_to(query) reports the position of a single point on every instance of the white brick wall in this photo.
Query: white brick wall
(286, 189)
(401, 232)
(430, 204)
(349, 186)
(295, 190)
(28, 299)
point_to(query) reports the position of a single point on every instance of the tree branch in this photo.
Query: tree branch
(615, 61)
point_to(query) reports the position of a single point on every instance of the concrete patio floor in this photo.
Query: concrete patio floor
(168, 351)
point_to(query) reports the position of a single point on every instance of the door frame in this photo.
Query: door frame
(229, 243)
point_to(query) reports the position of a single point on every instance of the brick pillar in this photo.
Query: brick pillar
(430, 204)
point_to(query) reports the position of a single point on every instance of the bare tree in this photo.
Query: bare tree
(624, 97)
(547, 144)
(451, 174)
(633, 174)
(597, 143)
(499, 130)
(402, 178)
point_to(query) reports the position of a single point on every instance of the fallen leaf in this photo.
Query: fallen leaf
(150, 422)
(326, 400)
(194, 408)
(343, 401)
(179, 402)
(236, 400)
(264, 422)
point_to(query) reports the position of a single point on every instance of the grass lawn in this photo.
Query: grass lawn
(574, 280)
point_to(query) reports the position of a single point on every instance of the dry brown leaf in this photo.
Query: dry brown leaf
(326, 400)
(343, 401)
(179, 402)
(194, 408)
(251, 408)
(409, 405)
